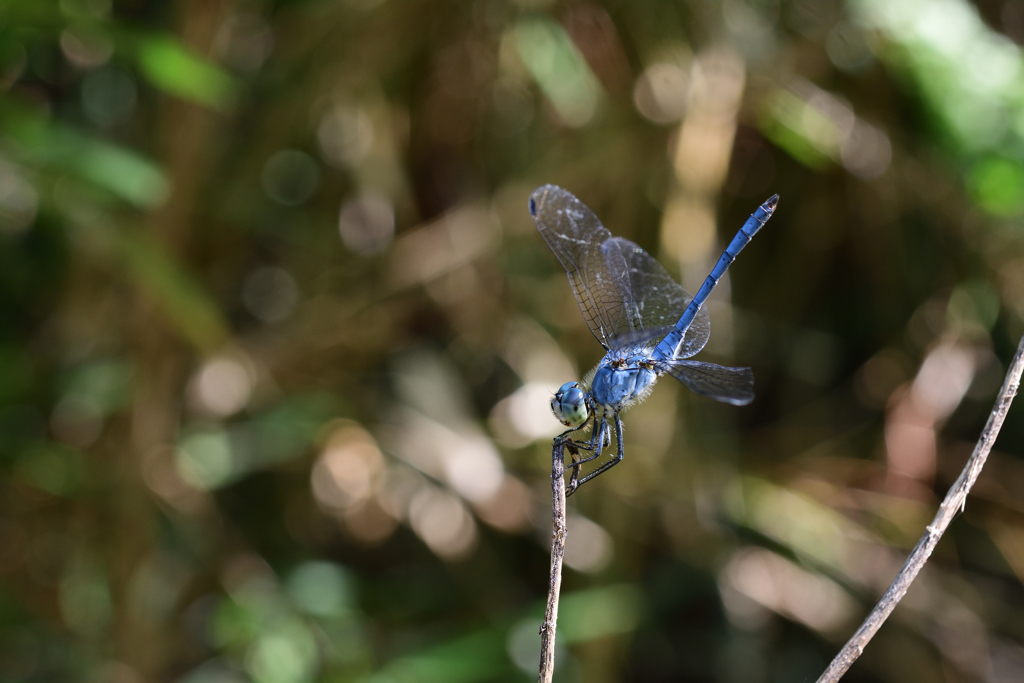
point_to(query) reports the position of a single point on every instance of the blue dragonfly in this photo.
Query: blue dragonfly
(648, 324)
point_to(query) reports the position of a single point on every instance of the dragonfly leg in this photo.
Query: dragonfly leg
(565, 439)
(596, 441)
(574, 479)
(599, 440)
(607, 466)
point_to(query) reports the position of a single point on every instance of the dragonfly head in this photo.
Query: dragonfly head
(569, 404)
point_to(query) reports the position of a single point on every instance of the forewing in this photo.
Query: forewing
(729, 385)
(575, 235)
(652, 301)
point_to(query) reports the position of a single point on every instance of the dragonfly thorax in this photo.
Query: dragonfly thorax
(621, 380)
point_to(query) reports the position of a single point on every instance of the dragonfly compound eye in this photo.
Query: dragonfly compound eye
(570, 405)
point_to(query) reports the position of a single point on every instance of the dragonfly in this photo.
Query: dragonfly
(647, 323)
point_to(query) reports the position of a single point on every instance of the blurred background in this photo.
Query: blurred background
(278, 337)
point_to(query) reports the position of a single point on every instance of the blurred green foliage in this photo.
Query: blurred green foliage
(278, 337)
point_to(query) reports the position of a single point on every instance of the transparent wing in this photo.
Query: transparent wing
(575, 235)
(625, 295)
(652, 301)
(729, 385)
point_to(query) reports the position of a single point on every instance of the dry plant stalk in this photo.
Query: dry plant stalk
(954, 503)
(558, 534)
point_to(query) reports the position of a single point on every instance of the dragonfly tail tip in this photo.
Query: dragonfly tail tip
(772, 202)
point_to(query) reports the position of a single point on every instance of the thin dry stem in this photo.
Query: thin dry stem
(953, 504)
(558, 534)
